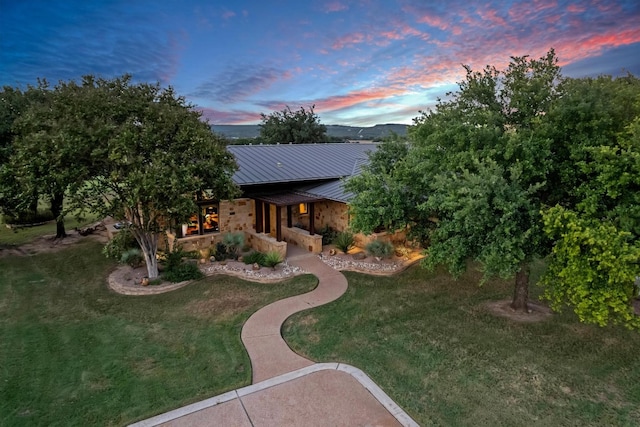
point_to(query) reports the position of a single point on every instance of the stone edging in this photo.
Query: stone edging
(373, 269)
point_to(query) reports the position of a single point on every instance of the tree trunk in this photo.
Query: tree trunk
(521, 291)
(148, 242)
(56, 209)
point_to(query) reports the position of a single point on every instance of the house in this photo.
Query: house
(289, 192)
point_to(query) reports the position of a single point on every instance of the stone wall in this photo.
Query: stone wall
(236, 215)
(264, 243)
(299, 237)
(333, 214)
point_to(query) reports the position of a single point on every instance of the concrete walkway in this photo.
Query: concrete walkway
(288, 389)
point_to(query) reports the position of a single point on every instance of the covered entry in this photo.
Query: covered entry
(286, 200)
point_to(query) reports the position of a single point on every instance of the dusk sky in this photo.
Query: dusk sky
(360, 62)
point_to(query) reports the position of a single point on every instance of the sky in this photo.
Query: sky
(360, 62)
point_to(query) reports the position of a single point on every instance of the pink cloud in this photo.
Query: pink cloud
(433, 21)
(335, 6)
(350, 39)
(233, 117)
(575, 8)
(491, 15)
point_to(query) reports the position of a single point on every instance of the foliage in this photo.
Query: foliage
(271, 259)
(136, 152)
(220, 252)
(28, 217)
(344, 241)
(132, 257)
(300, 126)
(471, 183)
(254, 257)
(184, 271)
(593, 268)
(380, 249)
(119, 244)
(234, 243)
(328, 234)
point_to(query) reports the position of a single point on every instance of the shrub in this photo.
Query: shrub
(328, 234)
(380, 249)
(234, 242)
(25, 218)
(132, 257)
(184, 271)
(220, 253)
(344, 241)
(176, 270)
(254, 257)
(271, 259)
(121, 242)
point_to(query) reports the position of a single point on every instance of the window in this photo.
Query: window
(205, 221)
(303, 209)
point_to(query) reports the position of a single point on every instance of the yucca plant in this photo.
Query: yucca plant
(344, 241)
(380, 249)
(271, 259)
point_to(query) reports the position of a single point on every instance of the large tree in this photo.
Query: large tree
(153, 156)
(53, 145)
(299, 127)
(475, 173)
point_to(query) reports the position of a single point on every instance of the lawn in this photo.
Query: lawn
(19, 236)
(431, 344)
(74, 353)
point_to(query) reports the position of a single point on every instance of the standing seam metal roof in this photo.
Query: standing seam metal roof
(266, 164)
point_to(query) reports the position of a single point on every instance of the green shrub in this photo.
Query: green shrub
(344, 241)
(25, 218)
(184, 271)
(220, 253)
(132, 257)
(328, 234)
(173, 259)
(380, 249)
(121, 242)
(271, 259)
(234, 243)
(254, 257)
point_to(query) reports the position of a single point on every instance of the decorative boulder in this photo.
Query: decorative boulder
(256, 266)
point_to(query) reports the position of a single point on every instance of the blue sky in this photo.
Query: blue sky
(360, 62)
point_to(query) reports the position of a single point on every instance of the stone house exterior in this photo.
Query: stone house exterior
(289, 192)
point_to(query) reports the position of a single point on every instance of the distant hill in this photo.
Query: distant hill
(338, 131)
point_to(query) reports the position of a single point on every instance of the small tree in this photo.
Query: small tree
(300, 126)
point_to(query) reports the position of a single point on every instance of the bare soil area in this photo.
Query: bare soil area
(537, 311)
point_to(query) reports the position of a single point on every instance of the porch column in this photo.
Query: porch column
(259, 217)
(267, 218)
(278, 223)
(289, 219)
(312, 214)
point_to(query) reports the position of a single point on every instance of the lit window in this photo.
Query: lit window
(206, 220)
(303, 209)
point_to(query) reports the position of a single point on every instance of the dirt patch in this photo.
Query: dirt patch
(537, 312)
(46, 244)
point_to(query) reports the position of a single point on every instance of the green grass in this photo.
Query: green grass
(20, 236)
(73, 353)
(430, 343)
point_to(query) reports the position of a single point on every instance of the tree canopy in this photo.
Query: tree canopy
(482, 170)
(136, 152)
(299, 127)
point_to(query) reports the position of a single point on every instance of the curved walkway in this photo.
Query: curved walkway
(288, 389)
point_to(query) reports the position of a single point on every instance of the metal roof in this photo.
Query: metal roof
(282, 163)
(332, 190)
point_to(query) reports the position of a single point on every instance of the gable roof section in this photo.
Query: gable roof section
(289, 163)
